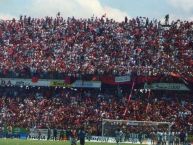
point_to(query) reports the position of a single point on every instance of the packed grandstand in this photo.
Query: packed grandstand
(66, 73)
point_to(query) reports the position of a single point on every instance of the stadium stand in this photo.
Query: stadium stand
(72, 108)
(57, 46)
(95, 49)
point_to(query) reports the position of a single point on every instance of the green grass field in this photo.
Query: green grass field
(35, 142)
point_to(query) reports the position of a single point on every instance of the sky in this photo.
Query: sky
(116, 9)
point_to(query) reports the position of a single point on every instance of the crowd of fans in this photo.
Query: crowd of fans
(73, 46)
(67, 108)
(96, 46)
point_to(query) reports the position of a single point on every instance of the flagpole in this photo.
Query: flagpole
(131, 92)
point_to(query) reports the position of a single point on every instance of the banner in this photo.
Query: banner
(47, 83)
(166, 86)
(15, 132)
(22, 82)
(131, 139)
(86, 84)
(59, 83)
(43, 133)
(140, 79)
(102, 139)
(120, 79)
(34, 134)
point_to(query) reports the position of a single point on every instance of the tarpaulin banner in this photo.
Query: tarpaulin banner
(22, 82)
(59, 83)
(166, 86)
(86, 84)
(120, 79)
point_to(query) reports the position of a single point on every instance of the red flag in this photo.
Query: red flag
(94, 78)
(175, 75)
(131, 91)
(126, 109)
(129, 98)
(67, 80)
(35, 79)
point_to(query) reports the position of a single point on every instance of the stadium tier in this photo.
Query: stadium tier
(56, 46)
(72, 73)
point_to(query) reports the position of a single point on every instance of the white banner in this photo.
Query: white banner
(51, 83)
(167, 86)
(121, 79)
(102, 139)
(22, 82)
(86, 84)
(112, 140)
(43, 133)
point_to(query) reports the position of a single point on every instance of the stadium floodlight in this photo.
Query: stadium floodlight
(138, 131)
